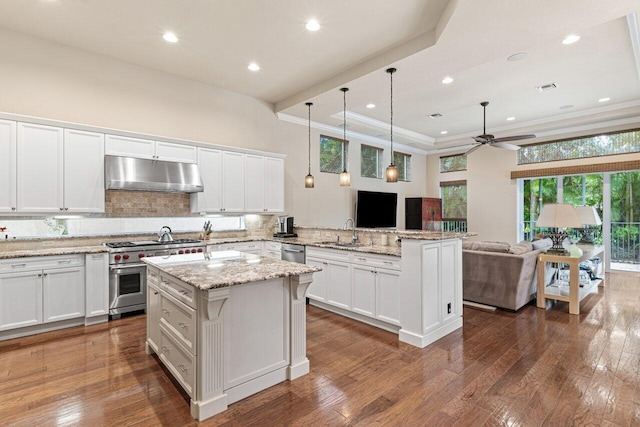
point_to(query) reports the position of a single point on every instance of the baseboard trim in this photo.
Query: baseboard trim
(479, 306)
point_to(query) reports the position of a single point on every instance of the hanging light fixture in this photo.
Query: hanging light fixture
(308, 180)
(392, 170)
(345, 177)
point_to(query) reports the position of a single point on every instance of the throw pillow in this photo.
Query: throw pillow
(542, 244)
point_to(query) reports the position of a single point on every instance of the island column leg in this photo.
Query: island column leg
(210, 398)
(299, 364)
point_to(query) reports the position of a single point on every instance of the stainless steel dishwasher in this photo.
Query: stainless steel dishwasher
(293, 253)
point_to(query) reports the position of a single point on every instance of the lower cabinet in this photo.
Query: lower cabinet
(254, 248)
(153, 316)
(63, 293)
(20, 299)
(366, 284)
(97, 284)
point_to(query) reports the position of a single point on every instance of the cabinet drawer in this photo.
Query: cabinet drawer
(153, 277)
(179, 320)
(40, 263)
(178, 361)
(392, 263)
(179, 291)
(241, 246)
(272, 246)
(332, 254)
(273, 254)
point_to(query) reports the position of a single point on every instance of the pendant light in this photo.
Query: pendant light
(345, 177)
(308, 180)
(392, 170)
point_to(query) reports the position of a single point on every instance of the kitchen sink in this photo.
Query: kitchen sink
(342, 244)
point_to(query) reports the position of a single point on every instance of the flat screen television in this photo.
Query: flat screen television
(376, 210)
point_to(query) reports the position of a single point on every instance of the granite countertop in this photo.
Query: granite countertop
(53, 251)
(226, 268)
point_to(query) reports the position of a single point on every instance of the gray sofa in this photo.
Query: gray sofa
(499, 274)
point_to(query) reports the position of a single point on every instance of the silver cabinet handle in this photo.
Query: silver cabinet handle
(13, 208)
(39, 274)
(183, 325)
(387, 262)
(165, 311)
(46, 274)
(61, 209)
(66, 209)
(155, 292)
(64, 261)
(362, 259)
(165, 349)
(182, 368)
(183, 292)
(18, 265)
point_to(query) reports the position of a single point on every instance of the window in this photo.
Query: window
(370, 162)
(454, 200)
(332, 151)
(579, 148)
(453, 163)
(403, 163)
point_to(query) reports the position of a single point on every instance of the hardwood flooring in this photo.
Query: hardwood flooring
(530, 368)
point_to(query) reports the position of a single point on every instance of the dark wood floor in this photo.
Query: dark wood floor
(531, 368)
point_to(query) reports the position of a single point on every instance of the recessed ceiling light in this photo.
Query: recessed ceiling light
(604, 99)
(312, 25)
(510, 119)
(170, 37)
(570, 39)
(517, 56)
(444, 132)
(253, 66)
(548, 86)
(447, 80)
(371, 105)
(566, 107)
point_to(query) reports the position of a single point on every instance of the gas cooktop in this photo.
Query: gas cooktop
(149, 243)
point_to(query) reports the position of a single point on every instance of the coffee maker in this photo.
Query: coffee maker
(285, 227)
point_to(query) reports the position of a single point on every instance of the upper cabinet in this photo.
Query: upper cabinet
(8, 198)
(264, 184)
(147, 149)
(83, 171)
(210, 165)
(233, 180)
(59, 170)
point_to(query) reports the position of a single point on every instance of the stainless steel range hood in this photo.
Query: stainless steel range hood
(129, 173)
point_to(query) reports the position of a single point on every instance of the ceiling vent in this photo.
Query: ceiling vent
(436, 115)
(546, 87)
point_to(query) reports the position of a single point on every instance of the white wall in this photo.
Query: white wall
(47, 80)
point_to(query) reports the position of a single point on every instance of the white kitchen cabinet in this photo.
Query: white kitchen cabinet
(364, 290)
(254, 183)
(271, 249)
(125, 146)
(254, 248)
(210, 165)
(451, 290)
(97, 285)
(264, 184)
(83, 171)
(339, 284)
(20, 299)
(153, 315)
(40, 175)
(63, 294)
(388, 295)
(233, 182)
(318, 288)
(8, 147)
(274, 185)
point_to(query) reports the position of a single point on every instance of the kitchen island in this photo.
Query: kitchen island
(227, 324)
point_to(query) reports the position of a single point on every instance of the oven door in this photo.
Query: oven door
(127, 288)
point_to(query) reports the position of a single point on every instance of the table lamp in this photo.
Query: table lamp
(558, 216)
(590, 220)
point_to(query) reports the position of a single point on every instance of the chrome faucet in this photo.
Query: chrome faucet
(354, 236)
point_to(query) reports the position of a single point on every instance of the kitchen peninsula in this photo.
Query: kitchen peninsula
(227, 324)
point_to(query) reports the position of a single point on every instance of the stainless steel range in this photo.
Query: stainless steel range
(128, 274)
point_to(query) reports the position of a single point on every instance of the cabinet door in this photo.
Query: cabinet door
(274, 185)
(176, 152)
(153, 316)
(318, 288)
(339, 284)
(40, 173)
(20, 299)
(63, 293)
(129, 147)
(232, 182)
(8, 166)
(430, 269)
(364, 290)
(97, 284)
(83, 171)
(388, 295)
(255, 183)
(449, 277)
(210, 165)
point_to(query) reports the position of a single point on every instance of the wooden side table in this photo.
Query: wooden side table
(574, 294)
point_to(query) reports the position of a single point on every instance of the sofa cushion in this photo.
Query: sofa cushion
(467, 245)
(542, 243)
(521, 248)
(487, 246)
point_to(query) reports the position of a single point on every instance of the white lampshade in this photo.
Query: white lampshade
(559, 215)
(588, 215)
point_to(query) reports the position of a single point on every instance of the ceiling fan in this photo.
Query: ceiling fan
(492, 141)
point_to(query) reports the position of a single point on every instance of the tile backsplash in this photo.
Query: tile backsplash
(135, 204)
